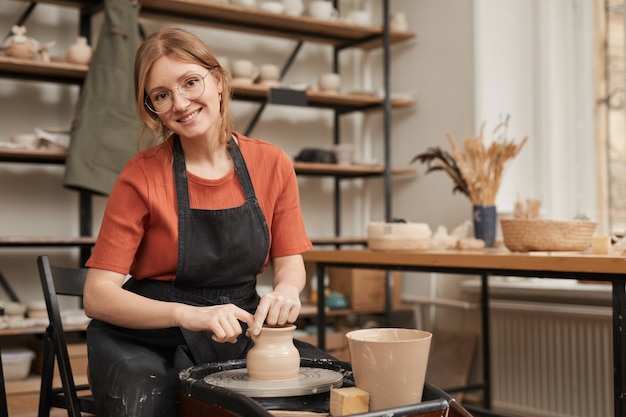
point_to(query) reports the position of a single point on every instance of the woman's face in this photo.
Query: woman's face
(173, 87)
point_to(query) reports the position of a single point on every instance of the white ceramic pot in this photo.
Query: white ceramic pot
(80, 52)
(329, 82)
(243, 68)
(294, 7)
(323, 9)
(269, 72)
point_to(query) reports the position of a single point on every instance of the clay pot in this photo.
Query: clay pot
(390, 364)
(274, 356)
(19, 45)
(80, 52)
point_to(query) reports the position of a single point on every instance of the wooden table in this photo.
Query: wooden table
(564, 265)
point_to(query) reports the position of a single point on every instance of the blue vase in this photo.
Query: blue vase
(485, 218)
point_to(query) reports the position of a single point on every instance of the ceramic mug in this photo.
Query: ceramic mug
(246, 3)
(272, 7)
(399, 22)
(344, 152)
(294, 7)
(323, 9)
(224, 62)
(359, 17)
(244, 69)
(329, 82)
(269, 72)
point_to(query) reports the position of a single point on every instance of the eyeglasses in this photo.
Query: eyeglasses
(161, 101)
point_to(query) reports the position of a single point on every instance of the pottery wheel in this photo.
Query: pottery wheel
(309, 381)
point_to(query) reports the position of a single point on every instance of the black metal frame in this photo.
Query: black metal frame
(338, 112)
(618, 308)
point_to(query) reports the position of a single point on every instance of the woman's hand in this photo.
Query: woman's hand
(278, 307)
(282, 305)
(224, 321)
(105, 299)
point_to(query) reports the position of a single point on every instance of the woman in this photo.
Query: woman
(192, 221)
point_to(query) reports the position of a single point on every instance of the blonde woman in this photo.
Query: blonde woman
(192, 220)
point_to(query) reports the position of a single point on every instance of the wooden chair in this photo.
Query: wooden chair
(66, 282)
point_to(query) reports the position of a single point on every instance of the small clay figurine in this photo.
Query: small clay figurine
(19, 45)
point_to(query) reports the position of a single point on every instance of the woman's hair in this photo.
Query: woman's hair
(185, 46)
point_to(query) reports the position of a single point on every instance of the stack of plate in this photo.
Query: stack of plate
(398, 236)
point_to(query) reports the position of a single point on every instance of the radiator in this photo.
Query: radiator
(551, 360)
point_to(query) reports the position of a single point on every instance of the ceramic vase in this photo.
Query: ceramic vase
(485, 221)
(80, 52)
(274, 356)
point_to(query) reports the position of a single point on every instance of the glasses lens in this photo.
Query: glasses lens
(190, 88)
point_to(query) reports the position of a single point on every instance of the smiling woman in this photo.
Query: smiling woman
(193, 220)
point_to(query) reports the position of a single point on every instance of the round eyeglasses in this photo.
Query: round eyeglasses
(161, 101)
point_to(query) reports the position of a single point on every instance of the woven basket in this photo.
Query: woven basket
(523, 235)
(398, 236)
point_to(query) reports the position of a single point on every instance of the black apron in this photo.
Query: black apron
(220, 252)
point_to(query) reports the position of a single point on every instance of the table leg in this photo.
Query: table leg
(619, 346)
(3, 395)
(321, 305)
(484, 288)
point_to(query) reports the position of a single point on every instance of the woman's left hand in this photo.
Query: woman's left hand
(278, 307)
(282, 305)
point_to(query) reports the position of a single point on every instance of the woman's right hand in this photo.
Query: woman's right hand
(105, 299)
(224, 321)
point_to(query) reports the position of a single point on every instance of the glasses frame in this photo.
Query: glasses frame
(147, 101)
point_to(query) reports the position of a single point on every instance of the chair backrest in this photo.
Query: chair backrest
(56, 281)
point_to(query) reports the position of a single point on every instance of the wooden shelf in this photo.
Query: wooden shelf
(352, 101)
(41, 330)
(347, 171)
(75, 74)
(59, 72)
(339, 241)
(252, 20)
(310, 310)
(38, 241)
(46, 156)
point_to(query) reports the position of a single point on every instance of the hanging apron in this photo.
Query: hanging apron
(220, 252)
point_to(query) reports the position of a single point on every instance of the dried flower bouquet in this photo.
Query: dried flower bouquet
(476, 169)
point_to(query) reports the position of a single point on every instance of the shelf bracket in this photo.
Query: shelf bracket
(281, 95)
(23, 18)
(8, 289)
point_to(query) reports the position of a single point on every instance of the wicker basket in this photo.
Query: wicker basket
(523, 235)
(398, 236)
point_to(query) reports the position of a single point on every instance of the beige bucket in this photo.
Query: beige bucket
(390, 364)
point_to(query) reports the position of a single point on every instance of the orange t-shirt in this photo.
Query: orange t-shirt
(139, 231)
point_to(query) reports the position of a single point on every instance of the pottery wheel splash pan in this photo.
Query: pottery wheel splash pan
(192, 383)
(309, 381)
(193, 391)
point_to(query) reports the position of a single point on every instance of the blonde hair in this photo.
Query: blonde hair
(186, 47)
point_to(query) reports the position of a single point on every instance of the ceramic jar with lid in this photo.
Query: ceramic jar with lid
(19, 45)
(80, 52)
